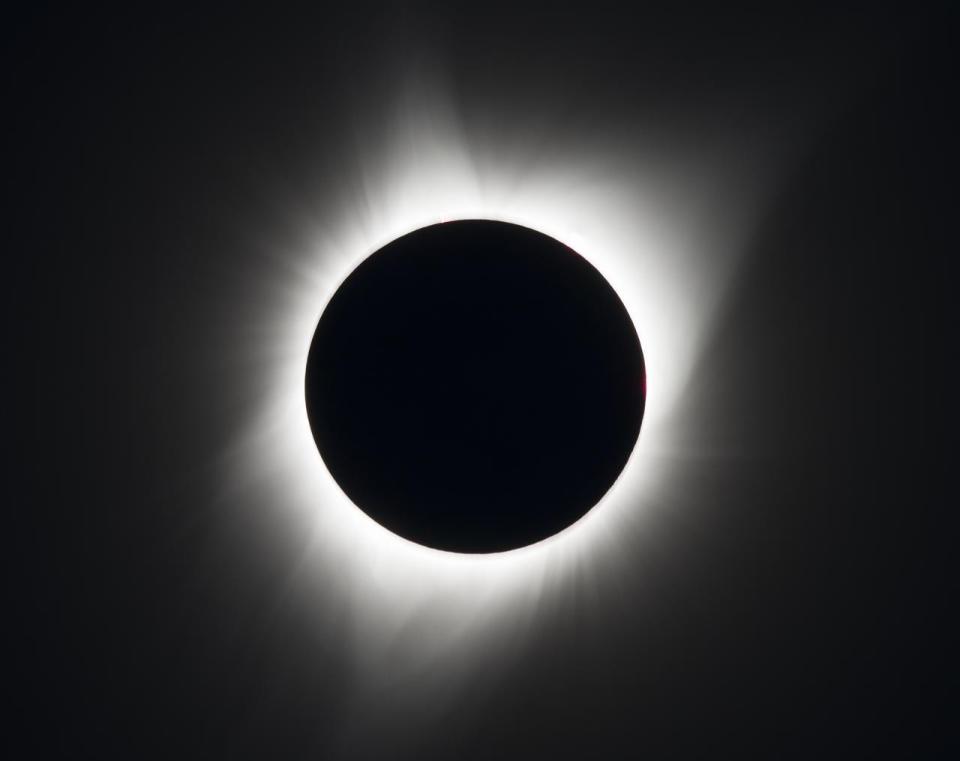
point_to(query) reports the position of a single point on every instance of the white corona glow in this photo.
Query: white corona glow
(663, 229)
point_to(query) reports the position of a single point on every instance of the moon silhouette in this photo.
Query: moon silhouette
(475, 386)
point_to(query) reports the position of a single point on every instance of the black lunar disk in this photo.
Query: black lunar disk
(475, 386)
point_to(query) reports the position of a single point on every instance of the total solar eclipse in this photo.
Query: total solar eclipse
(475, 386)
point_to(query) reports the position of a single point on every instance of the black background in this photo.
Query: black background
(796, 605)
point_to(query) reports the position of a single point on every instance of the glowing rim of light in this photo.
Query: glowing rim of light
(383, 569)
(667, 254)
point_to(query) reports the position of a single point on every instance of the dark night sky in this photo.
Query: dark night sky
(791, 600)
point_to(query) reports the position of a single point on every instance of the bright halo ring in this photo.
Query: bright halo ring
(425, 174)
